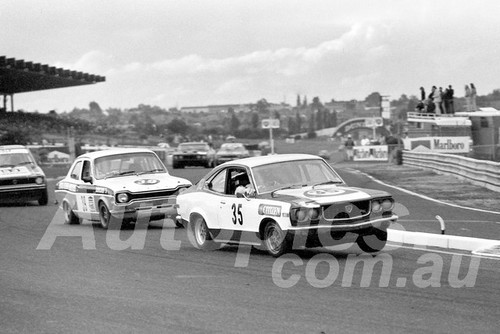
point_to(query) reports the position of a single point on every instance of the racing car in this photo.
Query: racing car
(118, 186)
(193, 154)
(20, 176)
(280, 202)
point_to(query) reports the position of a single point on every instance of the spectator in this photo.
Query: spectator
(365, 141)
(349, 147)
(422, 94)
(441, 104)
(450, 109)
(436, 98)
(467, 98)
(473, 94)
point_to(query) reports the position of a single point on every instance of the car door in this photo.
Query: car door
(85, 192)
(238, 216)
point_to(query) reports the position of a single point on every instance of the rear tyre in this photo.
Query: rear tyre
(276, 241)
(372, 243)
(69, 215)
(200, 235)
(44, 199)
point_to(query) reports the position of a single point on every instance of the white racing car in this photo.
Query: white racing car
(20, 177)
(118, 186)
(282, 202)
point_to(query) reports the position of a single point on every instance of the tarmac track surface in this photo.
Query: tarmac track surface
(171, 287)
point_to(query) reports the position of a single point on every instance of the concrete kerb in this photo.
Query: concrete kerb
(440, 240)
(475, 245)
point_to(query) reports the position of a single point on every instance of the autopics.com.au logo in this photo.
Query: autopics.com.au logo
(337, 266)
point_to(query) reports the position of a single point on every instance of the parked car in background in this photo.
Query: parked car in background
(21, 179)
(282, 201)
(231, 151)
(118, 186)
(193, 154)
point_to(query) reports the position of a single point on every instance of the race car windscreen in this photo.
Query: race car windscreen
(126, 164)
(299, 173)
(15, 159)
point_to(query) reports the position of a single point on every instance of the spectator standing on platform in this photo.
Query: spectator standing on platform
(473, 94)
(436, 98)
(450, 109)
(422, 94)
(441, 104)
(467, 98)
(349, 147)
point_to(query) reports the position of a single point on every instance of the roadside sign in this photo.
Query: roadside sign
(271, 123)
(374, 122)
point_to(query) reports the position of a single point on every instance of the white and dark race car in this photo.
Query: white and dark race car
(193, 154)
(118, 186)
(283, 202)
(21, 179)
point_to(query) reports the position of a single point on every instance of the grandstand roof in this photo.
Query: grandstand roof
(19, 76)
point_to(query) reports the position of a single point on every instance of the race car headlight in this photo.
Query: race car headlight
(376, 206)
(39, 180)
(122, 197)
(304, 215)
(387, 204)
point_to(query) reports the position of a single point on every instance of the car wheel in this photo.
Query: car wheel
(69, 215)
(200, 234)
(44, 199)
(276, 240)
(107, 220)
(373, 242)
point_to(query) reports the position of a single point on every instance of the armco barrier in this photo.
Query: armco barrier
(479, 172)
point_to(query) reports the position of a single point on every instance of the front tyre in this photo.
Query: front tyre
(44, 198)
(276, 240)
(107, 220)
(374, 242)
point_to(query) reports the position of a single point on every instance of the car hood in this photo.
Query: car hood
(328, 194)
(145, 182)
(20, 171)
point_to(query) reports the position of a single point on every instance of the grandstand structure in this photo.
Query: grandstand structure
(21, 76)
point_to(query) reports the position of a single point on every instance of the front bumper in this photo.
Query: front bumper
(349, 227)
(147, 209)
(24, 192)
(322, 235)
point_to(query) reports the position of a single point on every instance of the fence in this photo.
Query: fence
(480, 172)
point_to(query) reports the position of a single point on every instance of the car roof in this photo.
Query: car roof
(11, 147)
(113, 151)
(194, 143)
(274, 158)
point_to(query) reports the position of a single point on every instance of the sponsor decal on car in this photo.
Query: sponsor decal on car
(147, 181)
(269, 210)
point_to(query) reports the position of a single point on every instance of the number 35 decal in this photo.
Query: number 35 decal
(237, 215)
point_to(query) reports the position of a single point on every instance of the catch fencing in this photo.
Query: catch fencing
(480, 172)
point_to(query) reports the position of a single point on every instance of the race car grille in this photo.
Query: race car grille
(349, 210)
(152, 194)
(12, 182)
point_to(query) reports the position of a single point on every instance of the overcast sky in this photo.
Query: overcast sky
(191, 53)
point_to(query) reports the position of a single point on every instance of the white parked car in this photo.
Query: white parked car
(118, 186)
(20, 176)
(280, 201)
